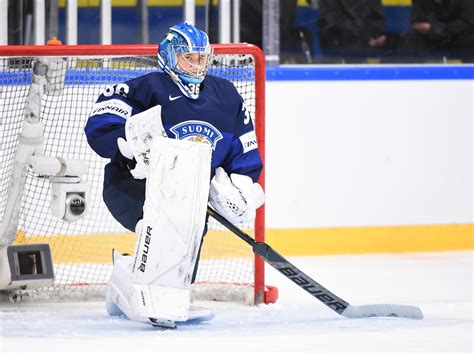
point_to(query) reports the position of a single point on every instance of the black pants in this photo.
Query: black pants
(124, 196)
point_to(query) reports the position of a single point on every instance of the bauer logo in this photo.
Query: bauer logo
(249, 141)
(146, 248)
(116, 107)
(313, 288)
(196, 130)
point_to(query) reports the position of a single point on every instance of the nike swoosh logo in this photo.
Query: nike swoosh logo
(174, 98)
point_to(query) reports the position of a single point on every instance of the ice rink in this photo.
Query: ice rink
(440, 283)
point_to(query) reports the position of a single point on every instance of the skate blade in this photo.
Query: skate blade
(162, 324)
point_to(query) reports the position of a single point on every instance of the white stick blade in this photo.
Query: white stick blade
(383, 310)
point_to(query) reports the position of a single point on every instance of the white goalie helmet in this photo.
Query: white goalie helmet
(185, 55)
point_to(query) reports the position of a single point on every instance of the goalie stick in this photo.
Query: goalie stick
(318, 291)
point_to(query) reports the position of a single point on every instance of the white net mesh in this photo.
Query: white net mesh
(82, 250)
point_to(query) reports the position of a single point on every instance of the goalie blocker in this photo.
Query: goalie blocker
(155, 283)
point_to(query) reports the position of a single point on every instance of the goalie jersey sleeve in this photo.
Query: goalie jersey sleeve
(218, 117)
(243, 157)
(107, 119)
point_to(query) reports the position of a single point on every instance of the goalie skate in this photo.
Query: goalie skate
(162, 324)
(197, 314)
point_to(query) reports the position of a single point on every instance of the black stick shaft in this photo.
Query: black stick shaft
(281, 264)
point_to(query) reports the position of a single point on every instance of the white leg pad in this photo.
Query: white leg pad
(125, 298)
(160, 301)
(168, 239)
(117, 299)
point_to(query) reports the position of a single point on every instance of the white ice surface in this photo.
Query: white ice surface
(440, 283)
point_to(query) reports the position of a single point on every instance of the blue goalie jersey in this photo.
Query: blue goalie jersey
(218, 117)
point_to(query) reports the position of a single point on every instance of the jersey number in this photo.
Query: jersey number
(121, 90)
(194, 88)
(246, 112)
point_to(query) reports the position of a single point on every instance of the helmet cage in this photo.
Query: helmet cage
(191, 64)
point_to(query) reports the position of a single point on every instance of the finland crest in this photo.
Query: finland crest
(199, 131)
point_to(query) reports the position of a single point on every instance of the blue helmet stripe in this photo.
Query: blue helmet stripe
(185, 36)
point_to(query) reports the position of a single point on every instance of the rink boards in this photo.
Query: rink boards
(369, 158)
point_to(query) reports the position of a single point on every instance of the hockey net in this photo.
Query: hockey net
(81, 250)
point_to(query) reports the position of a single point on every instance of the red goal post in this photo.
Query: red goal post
(262, 293)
